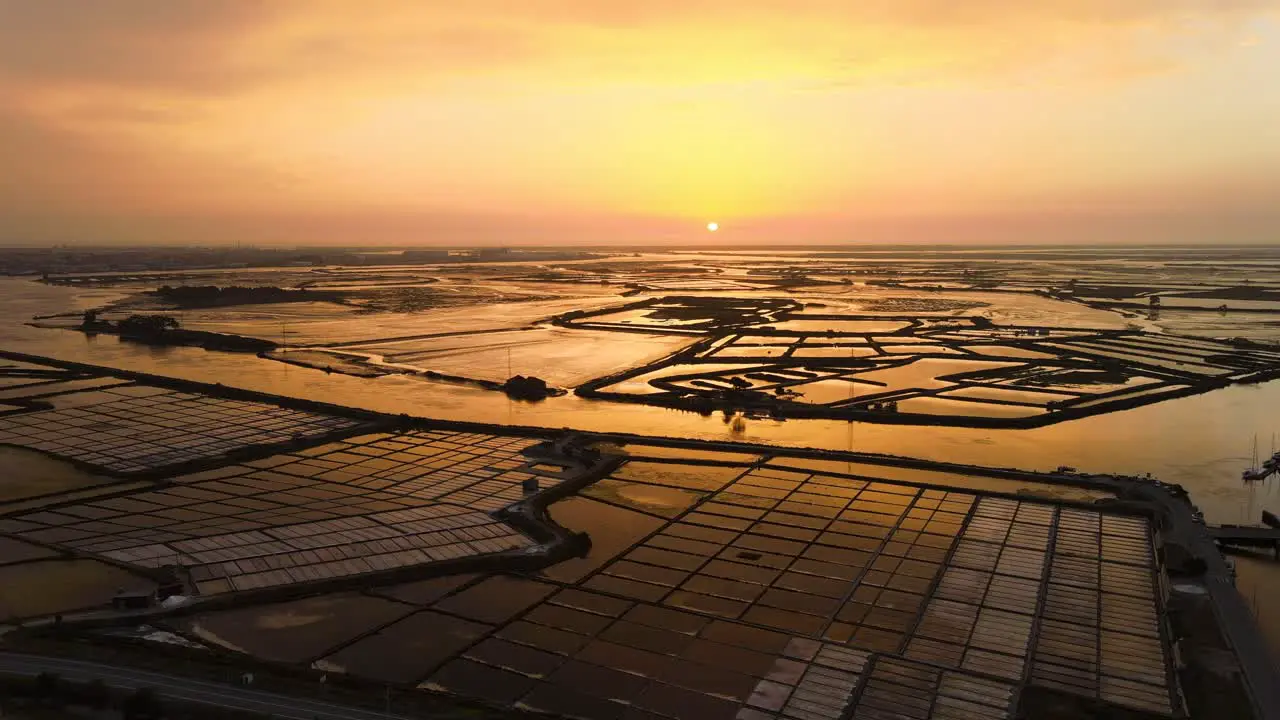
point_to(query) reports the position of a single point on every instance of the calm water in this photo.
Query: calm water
(1201, 442)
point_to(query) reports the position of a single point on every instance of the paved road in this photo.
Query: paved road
(178, 688)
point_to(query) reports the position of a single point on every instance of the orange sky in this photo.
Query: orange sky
(584, 121)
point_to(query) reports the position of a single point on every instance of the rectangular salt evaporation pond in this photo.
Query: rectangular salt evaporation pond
(836, 341)
(635, 386)
(671, 373)
(19, 366)
(677, 453)
(943, 478)
(966, 408)
(798, 324)
(1098, 349)
(644, 317)
(134, 428)
(561, 357)
(81, 399)
(291, 529)
(348, 324)
(1148, 393)
(762, 379)
(923, 374)
(294, 632)
(766, 340)
(48, 587)
(826, 392)
(692, 284)
(652, 499)
(334, 548)
(1080, 382)
(309, 322)
(1007, 351)
(720, 618)
(1185, 353)
(1028, 397)
(1214, 303)
(919, 350)
(1182, 343)
(1258, 327)
(406, 650)
(697, 664)
(752, 351)
(1196, 361)
(8, 381)
(31, 474)
(702, 478)
(16, 551)
(48, 388)
(902, 340)
(1018, 334)
(612, 530)
(808, 351)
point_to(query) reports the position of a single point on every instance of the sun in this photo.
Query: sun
(712, 226)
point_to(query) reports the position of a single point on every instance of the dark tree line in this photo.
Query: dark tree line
(51, 689)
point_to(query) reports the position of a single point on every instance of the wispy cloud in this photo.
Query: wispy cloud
(210, 46)
(228, 103)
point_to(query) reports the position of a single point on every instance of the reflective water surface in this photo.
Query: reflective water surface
(1201, 442)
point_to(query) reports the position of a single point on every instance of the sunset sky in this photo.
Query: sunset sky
(602, 121)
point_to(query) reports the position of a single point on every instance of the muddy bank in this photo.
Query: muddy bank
(210, 296)
(163, 330)
(196, 338)
(518, 387)
(334, 362)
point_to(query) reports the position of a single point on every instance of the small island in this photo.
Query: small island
(207, 296)
(529, 388)
(156, 329)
